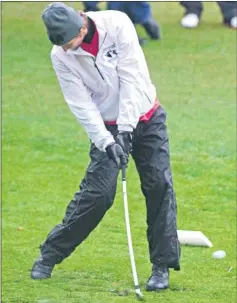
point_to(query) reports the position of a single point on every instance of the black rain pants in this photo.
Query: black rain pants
(97, 193)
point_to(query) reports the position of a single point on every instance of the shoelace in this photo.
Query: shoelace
(160, 271)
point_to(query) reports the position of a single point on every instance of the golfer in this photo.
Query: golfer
(105, 81)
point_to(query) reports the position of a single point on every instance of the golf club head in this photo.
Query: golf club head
(139, 295)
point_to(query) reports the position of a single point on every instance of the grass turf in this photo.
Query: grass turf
(44, 156)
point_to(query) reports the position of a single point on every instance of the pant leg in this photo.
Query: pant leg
(90, 6)
(151, 155)
(138, 11)
(122, 7)
(116, 6)
(228, 10)
(85, 211)
(192, 7)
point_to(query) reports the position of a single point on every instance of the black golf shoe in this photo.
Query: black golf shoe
(159, 279)
(41, 270)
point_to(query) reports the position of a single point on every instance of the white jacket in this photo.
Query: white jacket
(113, 86)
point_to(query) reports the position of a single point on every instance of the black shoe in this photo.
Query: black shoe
(41, 270)
(152, 29)
(159, 279)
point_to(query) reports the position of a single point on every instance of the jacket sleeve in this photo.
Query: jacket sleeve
(79, 101)
(131, 61)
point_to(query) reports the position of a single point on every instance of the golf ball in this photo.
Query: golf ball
(220, 254)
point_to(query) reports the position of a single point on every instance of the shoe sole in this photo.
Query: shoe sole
(38, 278)
(156, 289)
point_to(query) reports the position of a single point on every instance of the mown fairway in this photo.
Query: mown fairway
(45, 154)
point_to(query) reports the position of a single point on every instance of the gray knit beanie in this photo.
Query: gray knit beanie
(62, 22)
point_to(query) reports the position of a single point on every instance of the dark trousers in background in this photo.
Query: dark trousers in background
(228, 8)
(138, 11)
(97, 193)
(90, 6)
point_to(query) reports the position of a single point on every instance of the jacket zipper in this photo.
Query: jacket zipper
(147, 97)
(98, 69)
(96, 57)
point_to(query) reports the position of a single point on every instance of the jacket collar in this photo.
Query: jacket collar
(102, 36)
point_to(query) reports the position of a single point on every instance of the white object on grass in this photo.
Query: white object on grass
(190, 21)
(219, 254)
(233, 22)
(193, 238)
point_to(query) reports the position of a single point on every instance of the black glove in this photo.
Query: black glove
(116, 153)
(124, 139)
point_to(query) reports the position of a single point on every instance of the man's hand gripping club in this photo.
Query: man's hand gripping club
(119, 151)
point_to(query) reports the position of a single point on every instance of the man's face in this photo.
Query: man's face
(75, 43)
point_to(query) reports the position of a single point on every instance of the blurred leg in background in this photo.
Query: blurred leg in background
(193, 12)
(90, 6)
(140, 13)
(229, 12)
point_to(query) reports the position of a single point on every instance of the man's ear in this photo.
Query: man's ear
(81, 13)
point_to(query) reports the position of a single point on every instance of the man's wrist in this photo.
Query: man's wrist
(108, 142)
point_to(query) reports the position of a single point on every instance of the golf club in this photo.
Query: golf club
(138, 292)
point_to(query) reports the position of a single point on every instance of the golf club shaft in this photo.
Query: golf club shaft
(130, 247)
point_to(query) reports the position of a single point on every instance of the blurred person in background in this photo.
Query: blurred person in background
(194, 9)
(91, 6)
(138, 11)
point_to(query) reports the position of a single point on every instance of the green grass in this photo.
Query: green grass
(45, 154)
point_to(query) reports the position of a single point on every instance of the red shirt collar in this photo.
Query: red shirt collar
(92, 47)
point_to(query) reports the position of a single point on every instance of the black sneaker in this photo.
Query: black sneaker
(41, 270)
(152, 29)
(159, 279)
